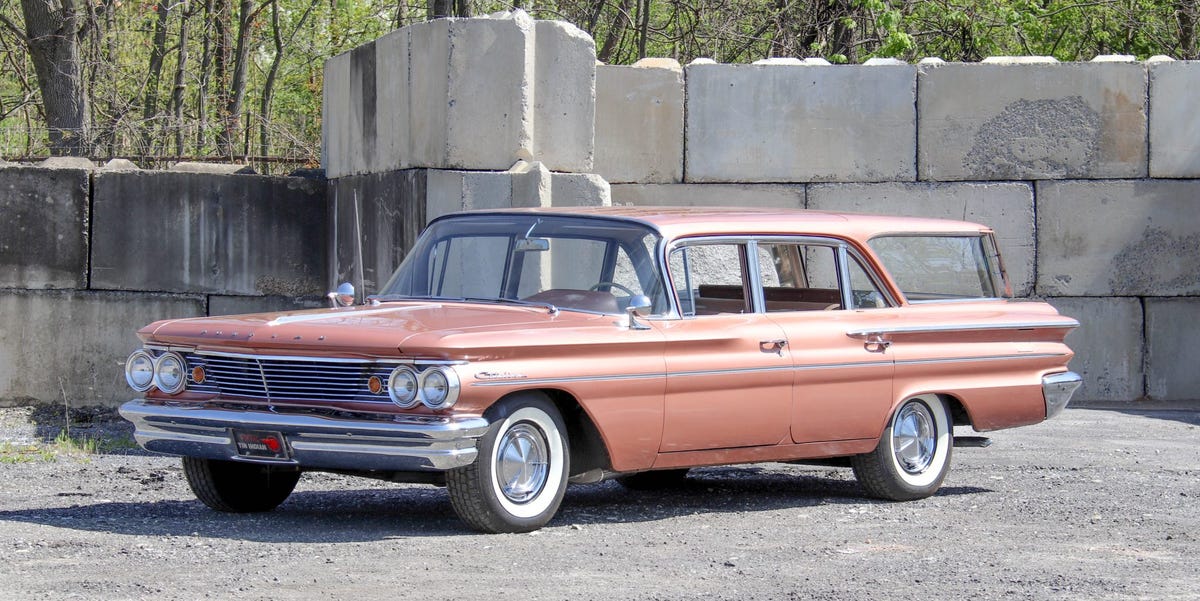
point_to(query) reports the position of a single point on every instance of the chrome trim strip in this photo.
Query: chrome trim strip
(973, 327)
(810, 367)
(571, 379)
(722, 372)
(312, 359)
(983, 358)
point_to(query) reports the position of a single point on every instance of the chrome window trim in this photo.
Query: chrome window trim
(843, 269)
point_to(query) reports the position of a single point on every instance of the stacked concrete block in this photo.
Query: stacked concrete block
(1006, 207)
(1032, 121)
(1108, 346)
(201, 234)
(238, 305)
(527, 185)
(70, 346)
(463, 94)
(335, 116)
(711, 195)
(1174, 120)
(639, 122)
(392, 137)
(579, 190)
(564, 97)
(800, 123)
(376, 217)
(1171, 331)
(44, 231)
(1118, 238)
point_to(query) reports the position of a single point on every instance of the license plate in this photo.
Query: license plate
(261, 444)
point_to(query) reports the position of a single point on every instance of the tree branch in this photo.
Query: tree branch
(17, 31)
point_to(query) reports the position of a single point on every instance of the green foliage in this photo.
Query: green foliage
(118, 43)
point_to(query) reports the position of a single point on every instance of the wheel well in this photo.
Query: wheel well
(588, 451)
(958, 412)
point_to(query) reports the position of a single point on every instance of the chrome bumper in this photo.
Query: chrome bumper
(399, 443)
(1057, 390)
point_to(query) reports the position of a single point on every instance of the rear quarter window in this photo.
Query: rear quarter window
(940, 267)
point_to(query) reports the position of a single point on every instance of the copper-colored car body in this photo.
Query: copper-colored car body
(515, 350)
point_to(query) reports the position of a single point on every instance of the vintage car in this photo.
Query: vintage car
(515, 351)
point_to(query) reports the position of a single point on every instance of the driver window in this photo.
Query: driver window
(710, 279)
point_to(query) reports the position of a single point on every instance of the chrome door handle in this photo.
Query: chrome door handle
(772, 346)
(876, 344)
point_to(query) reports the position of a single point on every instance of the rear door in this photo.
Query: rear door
(817, 291)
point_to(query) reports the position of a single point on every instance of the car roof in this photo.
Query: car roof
(679, 222)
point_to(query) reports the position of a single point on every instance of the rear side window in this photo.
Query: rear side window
(932, 268)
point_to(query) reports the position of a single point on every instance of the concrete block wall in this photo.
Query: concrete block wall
(88, 256)
(1088, 172)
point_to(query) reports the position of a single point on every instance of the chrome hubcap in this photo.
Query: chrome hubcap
(914, 437)
(522, 462)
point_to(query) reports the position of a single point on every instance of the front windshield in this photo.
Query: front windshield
(578, 263)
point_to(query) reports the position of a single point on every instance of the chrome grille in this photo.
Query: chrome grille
(288, 379)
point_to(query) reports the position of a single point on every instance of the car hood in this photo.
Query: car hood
(446, 330)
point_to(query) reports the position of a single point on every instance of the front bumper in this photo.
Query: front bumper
(376, 442)
(1057, 390)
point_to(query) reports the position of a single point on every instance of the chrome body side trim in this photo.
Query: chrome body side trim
(714, 372)
(376, 442)
(1057, 390)
(971, 327)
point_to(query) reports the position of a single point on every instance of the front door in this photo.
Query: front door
(729, 371)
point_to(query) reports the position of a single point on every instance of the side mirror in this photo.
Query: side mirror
(639, 306)
(343, 296)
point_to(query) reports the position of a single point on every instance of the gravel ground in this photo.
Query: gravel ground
(1096, 504)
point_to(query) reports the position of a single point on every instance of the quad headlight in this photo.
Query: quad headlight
(439, 388)
(170, 372)
(139, 371)
(403, 387)
(436, 387)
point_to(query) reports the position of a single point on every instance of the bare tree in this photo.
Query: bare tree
(53, 29)
(180, 85)
(269, 86)
(158, 52)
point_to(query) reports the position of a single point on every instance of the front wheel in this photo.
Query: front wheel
(239, 487)
(519, 477)
(913, 454)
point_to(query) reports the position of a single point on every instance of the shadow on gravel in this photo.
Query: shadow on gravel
(1176, 412)
(1183, 416)
(364, 515)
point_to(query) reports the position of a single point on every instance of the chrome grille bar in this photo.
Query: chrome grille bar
(281, 378)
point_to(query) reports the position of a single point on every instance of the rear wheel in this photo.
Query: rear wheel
(519, 477)
(913, 454)
(239, 487)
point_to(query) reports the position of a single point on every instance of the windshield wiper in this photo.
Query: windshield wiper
(515, 301)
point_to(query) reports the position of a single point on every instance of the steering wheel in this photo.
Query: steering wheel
(598, 285)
